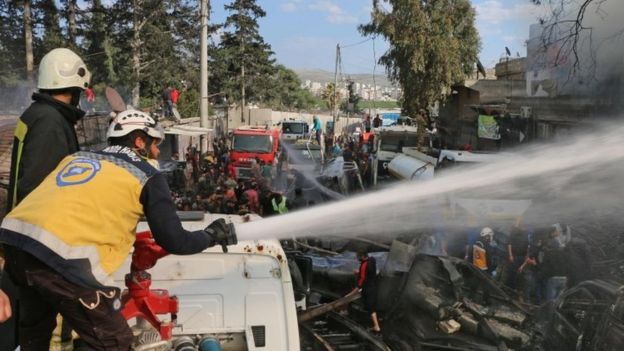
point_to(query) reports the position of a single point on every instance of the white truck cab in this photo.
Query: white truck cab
(293, 130)
(243, 298)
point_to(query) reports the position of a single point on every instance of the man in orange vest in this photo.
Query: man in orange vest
(484, 251)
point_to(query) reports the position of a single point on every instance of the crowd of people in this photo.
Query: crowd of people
(207, 183)
(537, 263)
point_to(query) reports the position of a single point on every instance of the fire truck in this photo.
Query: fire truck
(250, 143)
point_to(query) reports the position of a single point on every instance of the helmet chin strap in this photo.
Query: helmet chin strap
(145, 150)
(75, 97)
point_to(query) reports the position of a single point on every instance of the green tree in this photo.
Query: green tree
(11, 42)
(70, 14)
(149, 38)
(246, 67)
(331, 97)
(433, 45)
(98, 45)
(285, 92)
(351, 104)
(52, 35)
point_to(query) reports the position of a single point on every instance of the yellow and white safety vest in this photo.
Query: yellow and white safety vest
(81, 220)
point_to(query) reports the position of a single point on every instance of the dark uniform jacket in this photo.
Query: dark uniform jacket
(44, 135)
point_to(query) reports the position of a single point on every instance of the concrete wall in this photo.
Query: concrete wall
(496, 91)
(512, 68)
(262, 117)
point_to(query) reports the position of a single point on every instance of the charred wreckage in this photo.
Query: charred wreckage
(429, 302)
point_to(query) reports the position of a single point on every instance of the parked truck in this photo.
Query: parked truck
(293, 130)
(241, 300)
(389, 143)
(250, 143)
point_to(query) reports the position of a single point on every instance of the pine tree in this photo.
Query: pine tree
(150, 38)
(248, 61)
(52, 36)
(98, 45)
(12, 49)
(70, 14)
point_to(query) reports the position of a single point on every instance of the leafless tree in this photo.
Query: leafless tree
(565, 29)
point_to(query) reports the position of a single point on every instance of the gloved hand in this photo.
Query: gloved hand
(222, 233)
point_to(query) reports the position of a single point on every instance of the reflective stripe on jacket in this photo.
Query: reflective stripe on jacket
(281, 207)
(81, 220)
(479, 256)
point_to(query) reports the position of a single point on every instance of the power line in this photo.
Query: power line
(356, 44)
(374, 71)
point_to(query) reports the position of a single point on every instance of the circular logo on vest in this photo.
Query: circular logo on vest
(78, 171)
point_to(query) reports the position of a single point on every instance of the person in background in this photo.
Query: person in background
(317, 128)
(377, 121)
(367, 124)
(167, 103)
(175, 94)
(279, 203)
(517, 249)
(367, 285)
(90, 95)
(472, 236)
(267, 172)
(534, 286)
(484, 253)
(251, 193)
(554, 267)
(299, 202)
(336, 151)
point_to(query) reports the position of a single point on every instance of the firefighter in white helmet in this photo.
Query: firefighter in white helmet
(44, 135)
(484, 251)
(76, 229)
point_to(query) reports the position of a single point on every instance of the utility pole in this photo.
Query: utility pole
(243, 92)
(335, 99)
(242, 80)
(203, 57)
(28, 41)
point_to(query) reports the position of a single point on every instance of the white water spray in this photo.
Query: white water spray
(569, 181)
(310, 176)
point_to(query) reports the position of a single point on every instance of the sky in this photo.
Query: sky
(304, 33)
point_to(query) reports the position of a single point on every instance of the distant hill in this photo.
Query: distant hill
(321, 76)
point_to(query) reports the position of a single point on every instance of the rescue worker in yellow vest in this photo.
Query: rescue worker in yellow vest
(67, 237)
(279, 203)
(483, 251)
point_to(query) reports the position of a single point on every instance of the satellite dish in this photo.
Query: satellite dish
(115, 100)
(480, 68)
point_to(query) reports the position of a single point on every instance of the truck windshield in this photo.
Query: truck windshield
(395, 143)
(304, 156)
(294, 128)
(253, 143)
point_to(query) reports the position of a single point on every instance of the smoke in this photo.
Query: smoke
(582, 53)
(576, 181)
(16, 97)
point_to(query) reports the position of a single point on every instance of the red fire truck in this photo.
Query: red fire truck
(249, 143)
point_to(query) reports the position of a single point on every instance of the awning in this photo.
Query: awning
(188, 130)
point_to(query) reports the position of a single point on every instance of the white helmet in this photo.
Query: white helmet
(62, 68)
(487, 231)
(131, 120)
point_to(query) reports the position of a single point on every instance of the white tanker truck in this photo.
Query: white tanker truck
(239, 300)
